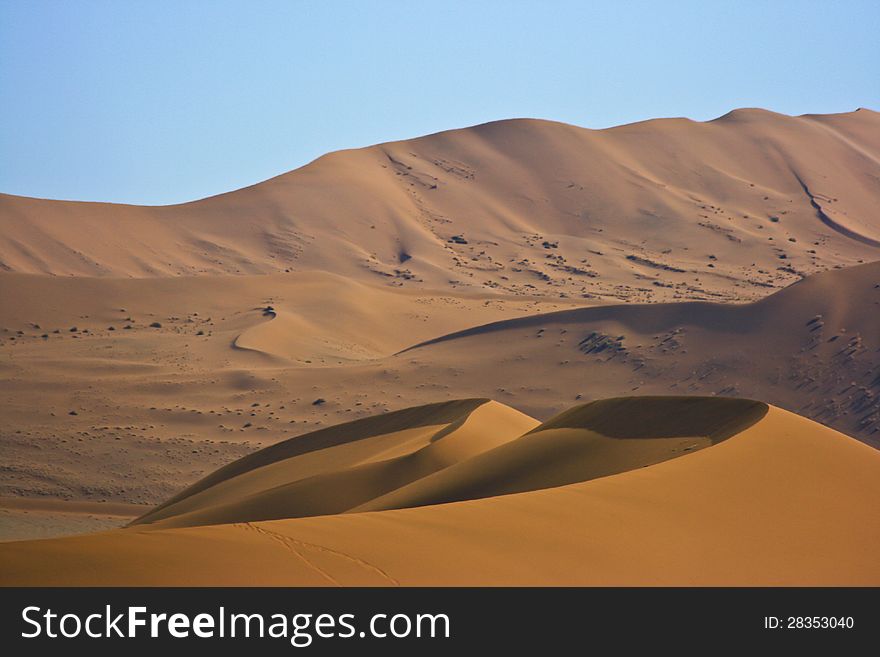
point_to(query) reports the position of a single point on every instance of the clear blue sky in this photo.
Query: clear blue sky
(160, 102)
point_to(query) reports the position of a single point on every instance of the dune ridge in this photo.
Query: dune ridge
(429, 417)
(482, 206)
(542, 265)
(272, 483)
(488, 450)
(182, 403)
(813, 347)
(734, 513)
(593, 440)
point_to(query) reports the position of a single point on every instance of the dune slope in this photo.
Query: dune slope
(779, 502)
(594, 440)
(531, 262)
(332, 471)
(719, 209)
(813, 348)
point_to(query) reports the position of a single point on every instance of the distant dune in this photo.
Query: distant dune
(813, 348)
(648, 491)
(721, 209)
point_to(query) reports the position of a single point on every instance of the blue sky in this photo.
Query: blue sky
(161, 102)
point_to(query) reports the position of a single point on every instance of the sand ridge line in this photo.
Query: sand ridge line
(477, 231)
(687, 521)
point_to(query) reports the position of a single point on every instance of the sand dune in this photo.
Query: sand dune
(739, 512)
(316, 317)
(317, 474)
(813, 348)
(719, 209)
(594, 440)
(159, 408)
(124, 411)
(221, 344)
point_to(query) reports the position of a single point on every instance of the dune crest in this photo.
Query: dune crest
(321, 348)
(813, 348)
(597, 439)
(734, 513)
(517, 206)
(333, 479)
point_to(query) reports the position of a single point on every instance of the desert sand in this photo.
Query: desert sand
(706, 491)
(245, 361)
(511, 206)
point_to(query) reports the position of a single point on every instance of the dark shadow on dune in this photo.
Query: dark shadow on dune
(716, 418)
(408, 418)
(594, 440)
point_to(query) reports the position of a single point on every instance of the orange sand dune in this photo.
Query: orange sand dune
(283, 481)
(813, 348)
(149, 392)
(518, 206)
(587, 442)
(530, 262)
(157, 409)
(781, 501)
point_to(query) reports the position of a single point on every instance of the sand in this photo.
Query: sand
(513, 206)
(779, 502)
(812, 348)
(158, 408)
(373, 349)
(29, 517)
(325, 480)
